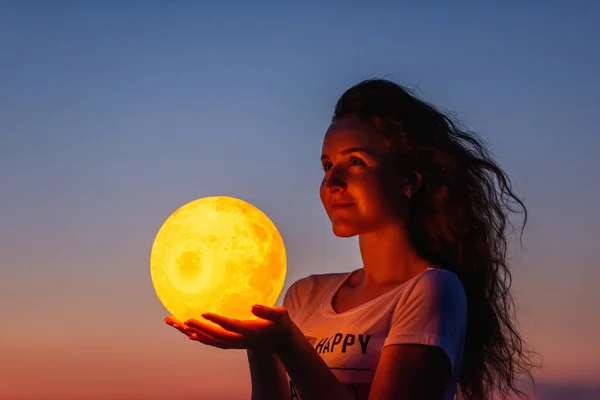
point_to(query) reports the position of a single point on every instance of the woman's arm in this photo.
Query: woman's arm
(311, 376)
(269, 380)
(414, 372)
(404, 371)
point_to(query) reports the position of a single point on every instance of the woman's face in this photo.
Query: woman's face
(355, 190)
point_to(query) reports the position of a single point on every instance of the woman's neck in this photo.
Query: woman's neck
(389, 257)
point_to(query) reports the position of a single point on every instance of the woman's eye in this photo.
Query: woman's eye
(356, 161)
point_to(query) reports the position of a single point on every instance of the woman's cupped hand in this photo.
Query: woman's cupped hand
(271, 327)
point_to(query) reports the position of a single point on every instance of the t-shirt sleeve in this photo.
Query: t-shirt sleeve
(434, 313)
(292, 298)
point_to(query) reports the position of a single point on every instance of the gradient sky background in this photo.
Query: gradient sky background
(112, 115)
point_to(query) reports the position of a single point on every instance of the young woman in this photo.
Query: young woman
(429, 315)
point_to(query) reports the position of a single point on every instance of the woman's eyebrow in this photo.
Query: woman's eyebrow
(352, 150)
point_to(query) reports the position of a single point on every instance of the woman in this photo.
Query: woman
(429, 314)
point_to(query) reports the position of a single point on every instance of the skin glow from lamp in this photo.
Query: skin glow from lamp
(217, 255)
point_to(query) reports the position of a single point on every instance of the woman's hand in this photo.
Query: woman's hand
(272, 327)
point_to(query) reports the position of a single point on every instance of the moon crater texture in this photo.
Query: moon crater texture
(220, 255)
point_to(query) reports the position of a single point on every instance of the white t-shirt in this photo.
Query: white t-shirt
(429, 309)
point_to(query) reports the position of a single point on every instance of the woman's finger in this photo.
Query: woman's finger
(232, 325)
(205, 334)
(193, 331)
(170, 320)
(215, 331)
(201, 336)
(215, 342)
(177, 325)
(269, 313)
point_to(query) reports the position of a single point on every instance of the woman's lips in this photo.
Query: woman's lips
(341, 205)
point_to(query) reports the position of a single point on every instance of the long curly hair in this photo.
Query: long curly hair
(458, 220)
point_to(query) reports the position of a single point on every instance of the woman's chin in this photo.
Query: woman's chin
(344, 230)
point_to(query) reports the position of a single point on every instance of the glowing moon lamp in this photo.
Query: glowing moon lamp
(220, 255)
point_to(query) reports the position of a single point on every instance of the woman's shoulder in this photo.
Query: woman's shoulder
(439, 275)
(317, 281)
(438, 278)
(309, 287)
(437, 286)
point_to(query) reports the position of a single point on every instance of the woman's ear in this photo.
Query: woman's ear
(413, 184)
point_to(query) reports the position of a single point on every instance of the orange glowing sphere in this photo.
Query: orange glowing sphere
(220, 255)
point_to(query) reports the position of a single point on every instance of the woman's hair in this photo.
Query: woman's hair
(457, 220)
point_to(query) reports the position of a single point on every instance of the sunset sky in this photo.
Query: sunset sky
(113, 114)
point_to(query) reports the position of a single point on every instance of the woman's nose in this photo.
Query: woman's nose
(336, 180)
